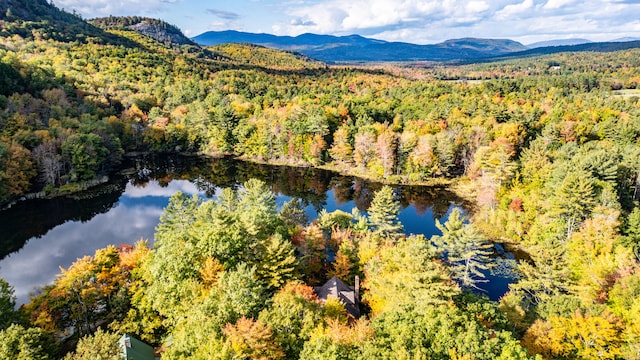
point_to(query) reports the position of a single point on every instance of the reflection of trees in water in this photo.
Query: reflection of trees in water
(308, 184)
(35, 218)
(362, 195)
(423, 198)
(342, 187)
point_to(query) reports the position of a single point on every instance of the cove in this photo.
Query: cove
(41, 236)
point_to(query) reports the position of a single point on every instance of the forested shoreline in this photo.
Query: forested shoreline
(543, 145)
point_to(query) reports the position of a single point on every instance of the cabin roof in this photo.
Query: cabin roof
(338, 289)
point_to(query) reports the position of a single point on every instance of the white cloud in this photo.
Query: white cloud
(154, 189)
(431, 21)
(477, 6)
(98, 8)
(557, 4)
(515, 10)
(343, 17)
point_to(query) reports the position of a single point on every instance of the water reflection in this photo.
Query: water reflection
(38, 237)
(34, 218)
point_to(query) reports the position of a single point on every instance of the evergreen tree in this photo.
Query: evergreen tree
(383, 213)
(220, 234)
(278, 263)
(176, 218)
(631, 231)
(293, 214)
(258, 208)
(546, 276)
(574, 198)
(224, 121)
(228, 200)
(7, 304)
(465, 249)
(630, 162)
(406, 275)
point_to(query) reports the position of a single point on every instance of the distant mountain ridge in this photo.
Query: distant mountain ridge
(626, 39)
(357, 48)
(41, 19)
(559, 42)
(592, 47)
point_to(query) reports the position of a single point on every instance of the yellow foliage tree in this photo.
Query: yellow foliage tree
(251, 339)
(578, 337)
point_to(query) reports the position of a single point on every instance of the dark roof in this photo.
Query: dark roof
(338, 289)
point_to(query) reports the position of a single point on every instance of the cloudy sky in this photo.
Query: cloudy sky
(417, 21)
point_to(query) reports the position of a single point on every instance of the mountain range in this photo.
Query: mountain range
(356, 48)
(331, 48)
(559, 42)
(42, 18)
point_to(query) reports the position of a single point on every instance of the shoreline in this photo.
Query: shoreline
(64, 190)
(456, 185)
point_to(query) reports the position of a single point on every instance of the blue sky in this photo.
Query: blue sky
(417, 21)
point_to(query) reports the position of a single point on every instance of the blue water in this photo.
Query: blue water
(52, 234)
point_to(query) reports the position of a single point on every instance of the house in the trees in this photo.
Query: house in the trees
(348, 295)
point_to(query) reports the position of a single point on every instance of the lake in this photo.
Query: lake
(41, 236)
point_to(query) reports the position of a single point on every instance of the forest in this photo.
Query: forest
(545, 146)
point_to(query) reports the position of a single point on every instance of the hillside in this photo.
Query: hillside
(260, 56)
(154, 28)
(357, 48)
(37, 19)
(586, 47)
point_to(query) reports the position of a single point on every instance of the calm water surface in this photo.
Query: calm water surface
(39, 237)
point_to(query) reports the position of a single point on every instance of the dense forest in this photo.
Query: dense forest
(548, 148)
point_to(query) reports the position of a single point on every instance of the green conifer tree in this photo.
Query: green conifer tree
(278, 263)
(464, 248)
(258, 208)
(383, 213)
(574, 198)
(7, 304)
